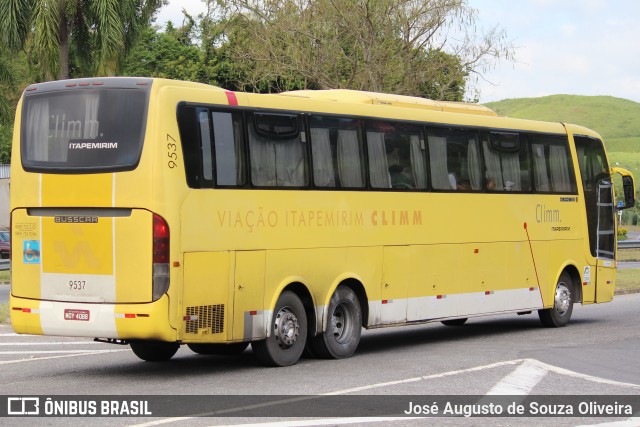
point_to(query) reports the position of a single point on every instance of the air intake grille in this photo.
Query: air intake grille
(205, 317)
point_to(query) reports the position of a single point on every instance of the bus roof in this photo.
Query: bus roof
(361, 97)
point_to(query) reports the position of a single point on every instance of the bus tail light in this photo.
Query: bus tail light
(161, 241)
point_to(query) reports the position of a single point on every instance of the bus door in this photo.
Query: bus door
(600, 211)
(605, 241)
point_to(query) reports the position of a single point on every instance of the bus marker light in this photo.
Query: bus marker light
(125, 316)
(384, 301)
(585, 283)
(441, 296)
(476, 251)
(176, 263)
(190, 318)
(253, 312)
(488, 292)
(532, 289)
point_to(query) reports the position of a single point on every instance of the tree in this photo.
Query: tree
(415, 47)
(99, 32)
(170, 54)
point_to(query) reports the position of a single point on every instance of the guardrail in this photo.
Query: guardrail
(628, 244)
(5, 264)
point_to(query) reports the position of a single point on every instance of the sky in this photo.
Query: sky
(577, 47)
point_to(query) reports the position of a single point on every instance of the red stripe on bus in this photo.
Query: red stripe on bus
(231, 97)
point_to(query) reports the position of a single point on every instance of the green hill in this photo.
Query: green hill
(616, 119)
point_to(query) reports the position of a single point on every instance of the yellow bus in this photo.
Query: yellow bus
(158, 213)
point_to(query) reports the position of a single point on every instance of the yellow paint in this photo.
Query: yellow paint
(206, 284)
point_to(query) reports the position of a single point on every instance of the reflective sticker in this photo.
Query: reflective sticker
(31, 251)
(587, 276)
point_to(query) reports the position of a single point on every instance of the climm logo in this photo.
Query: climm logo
(543, 214)
(75, 219)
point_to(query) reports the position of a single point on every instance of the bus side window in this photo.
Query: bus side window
(396, 156)
(192, 121)
(336, 152)
(552, 170)
(277, 151)
(454, 160)
(506, 157)
(229, 148)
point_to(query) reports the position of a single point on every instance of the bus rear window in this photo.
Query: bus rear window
(85, 130)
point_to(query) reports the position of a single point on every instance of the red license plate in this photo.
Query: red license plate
(70, 314)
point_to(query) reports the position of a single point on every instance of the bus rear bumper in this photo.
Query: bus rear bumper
(118, 321)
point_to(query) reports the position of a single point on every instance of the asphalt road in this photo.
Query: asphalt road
(508, 354)
(4, 293)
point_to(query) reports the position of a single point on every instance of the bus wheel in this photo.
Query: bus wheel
(288, 333)
(219, 349)
(560, 314)
(342, 336)
(455, 322)
(154, 351)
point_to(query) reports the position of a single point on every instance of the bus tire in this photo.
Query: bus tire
(560, 314)
(219, 349)
(288, 335)
(342, 336)
(455, 322)
(154, 351)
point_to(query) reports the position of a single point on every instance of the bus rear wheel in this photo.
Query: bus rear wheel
(219, 349)
(560, 314)
(154, 351)
(342, 336)
(288, 335)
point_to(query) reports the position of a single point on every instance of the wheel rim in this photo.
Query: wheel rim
(341, 324)
(287, 328)
(562, 299)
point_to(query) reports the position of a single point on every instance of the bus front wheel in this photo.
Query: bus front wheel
(154, 351)
(560, 314)
(288, 335)
(342, 336)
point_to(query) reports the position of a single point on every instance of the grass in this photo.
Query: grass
(627, 281)
(5, 276)
(614, 118)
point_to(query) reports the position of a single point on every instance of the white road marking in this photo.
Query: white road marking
(532, 370)
(521, 381)
(34, 359)
(573, 374)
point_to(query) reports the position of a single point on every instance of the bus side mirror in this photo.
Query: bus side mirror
(628, 186)
(629, 192)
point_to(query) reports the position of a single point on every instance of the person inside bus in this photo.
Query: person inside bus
(400, 177)
(491, 184)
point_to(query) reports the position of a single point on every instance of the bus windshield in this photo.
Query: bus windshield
(87, 129)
